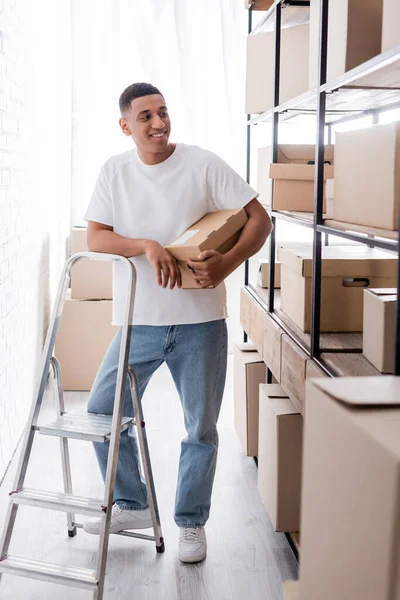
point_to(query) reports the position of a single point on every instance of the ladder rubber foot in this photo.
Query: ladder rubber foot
(160, 549)
(72, 533)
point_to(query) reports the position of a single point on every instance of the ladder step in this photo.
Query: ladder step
(83, 426)
(36, 569)
(58, 501)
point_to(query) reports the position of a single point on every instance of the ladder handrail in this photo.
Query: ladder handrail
(50, 342)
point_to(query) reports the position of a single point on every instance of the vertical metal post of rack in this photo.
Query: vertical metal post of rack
(275, 127)
(396, 366)
(248, 165)
(319, 183)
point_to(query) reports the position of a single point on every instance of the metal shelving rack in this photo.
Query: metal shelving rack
(366, 90)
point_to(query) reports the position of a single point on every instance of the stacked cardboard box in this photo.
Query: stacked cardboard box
(354, 35)
(367, 169)
(390, 26)
(85, 330)
(350, 515)
(279, 457)
(249, 372)
(292, 175)
(346, 272)
(260, 67)
(379, 327)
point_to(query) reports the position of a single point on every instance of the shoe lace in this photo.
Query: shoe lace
(116, 510)
(190, 534)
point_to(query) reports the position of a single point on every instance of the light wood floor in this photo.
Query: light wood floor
(246, 558)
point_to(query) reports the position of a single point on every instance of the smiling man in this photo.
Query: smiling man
(144, 199)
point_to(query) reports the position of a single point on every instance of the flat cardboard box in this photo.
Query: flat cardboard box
(279, 457)
(390, 26)
(293, 177)
(379, 327)
(354, 35)
(346, 272)
(291, 590)
(249, 371)
(83, 338)
(294, 67)
(263, 273)
(90, 279)
(367, 176)
(350, 515)
(218, 230)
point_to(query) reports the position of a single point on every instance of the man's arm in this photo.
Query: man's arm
(215, 266)
(101, 238)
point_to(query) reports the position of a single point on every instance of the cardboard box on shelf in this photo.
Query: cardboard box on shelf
(279, 457)
(354, 35)
(346, 272)
(294, 67)
(367, 175)
(258, 4)
(293, 372)
(90, 280)
(350, 490)
(330, 198)
(292, 175)
(272, 346)
(291, 590)
(218, 230)
(379, 327)
(249, 371)
(83, 337)
(390, 26)
(263, 273)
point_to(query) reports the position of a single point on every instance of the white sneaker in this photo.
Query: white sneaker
(120, 520)
(192, 544)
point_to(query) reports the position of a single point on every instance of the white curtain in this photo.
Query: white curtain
(192, 50)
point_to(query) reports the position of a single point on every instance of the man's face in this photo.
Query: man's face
(148, 123)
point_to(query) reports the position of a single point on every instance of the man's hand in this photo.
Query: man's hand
(210, 268)
(164, 264)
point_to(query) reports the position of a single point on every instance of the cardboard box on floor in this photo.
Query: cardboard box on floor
(249, 371)
(346, 272)
(367, 176)
(90, 280)
(218, 230)
(279, 457)
(263, 273)
(354, 35)
(293, 177)
(379, 327)
(83, 337)
(390, 26)
(291, 590)
(260, 67)
(350, 543)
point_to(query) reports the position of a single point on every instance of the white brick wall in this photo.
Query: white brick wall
(35, 129)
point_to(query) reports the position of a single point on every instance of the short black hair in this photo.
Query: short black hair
(136, 90)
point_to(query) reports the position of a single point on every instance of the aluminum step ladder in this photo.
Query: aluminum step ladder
(82, 426)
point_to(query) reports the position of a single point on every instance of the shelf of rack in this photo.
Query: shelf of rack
(295, 12)
(380, 238)
(372, 86)
(349, 365)
(333, 341)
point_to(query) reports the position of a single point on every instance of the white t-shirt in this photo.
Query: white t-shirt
(159, 202)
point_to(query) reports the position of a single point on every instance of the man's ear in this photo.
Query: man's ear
(125, 127)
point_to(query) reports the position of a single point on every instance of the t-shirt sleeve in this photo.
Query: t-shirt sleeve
(100, 207)
(226, 189)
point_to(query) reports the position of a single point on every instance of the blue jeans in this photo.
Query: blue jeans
(196, 356)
